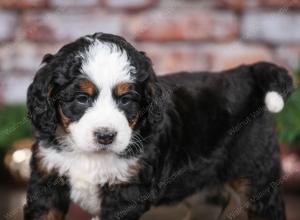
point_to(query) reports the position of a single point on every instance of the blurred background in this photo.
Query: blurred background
(176, 34)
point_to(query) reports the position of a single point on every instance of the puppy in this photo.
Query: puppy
(116, 139)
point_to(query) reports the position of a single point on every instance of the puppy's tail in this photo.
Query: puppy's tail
(275, 83)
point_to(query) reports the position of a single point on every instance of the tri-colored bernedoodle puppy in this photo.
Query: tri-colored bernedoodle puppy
(116, 139)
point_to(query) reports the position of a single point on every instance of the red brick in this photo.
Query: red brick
(288, 56)
(281, 3)
(24, 57)
(173, 58)
(129, 4)
(15, 87)
(6, 57)
(74, 3)
(67, 25)
(8, 22)
(18, 63)
(193, 25)
(276, 28)
(23, 4)
(226, 56)
(28, 56)
(238, 5)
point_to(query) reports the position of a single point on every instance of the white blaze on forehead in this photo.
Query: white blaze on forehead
(106, 64)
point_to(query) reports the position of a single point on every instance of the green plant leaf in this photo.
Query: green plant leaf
(14, 125)
(288, 121)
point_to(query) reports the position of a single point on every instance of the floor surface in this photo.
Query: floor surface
(11, 203)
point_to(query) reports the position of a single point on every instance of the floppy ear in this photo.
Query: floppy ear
(40, 108)
(155, 102)
(153, 93)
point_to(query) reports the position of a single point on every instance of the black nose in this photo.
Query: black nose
(105, 136)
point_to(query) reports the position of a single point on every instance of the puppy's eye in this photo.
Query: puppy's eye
(125, 100)
(82, 99)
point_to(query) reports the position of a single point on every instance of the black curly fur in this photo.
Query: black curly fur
(193, 134)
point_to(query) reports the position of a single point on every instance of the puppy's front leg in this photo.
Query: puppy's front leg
(47, 198)
(125, 203)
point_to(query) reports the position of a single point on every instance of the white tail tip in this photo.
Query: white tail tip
(274, 102)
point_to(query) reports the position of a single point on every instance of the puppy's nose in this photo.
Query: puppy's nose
(105, 135)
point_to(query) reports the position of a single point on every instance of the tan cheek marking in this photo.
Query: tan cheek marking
(87, 87)
(65, 121)
(122, 88)
(53, 214)
(134, 122)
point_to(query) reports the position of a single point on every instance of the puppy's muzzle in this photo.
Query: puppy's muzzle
(105, 136)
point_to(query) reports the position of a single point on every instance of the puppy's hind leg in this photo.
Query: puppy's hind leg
(269, 207)
(219, 197)
(266, 199)
(236, 192)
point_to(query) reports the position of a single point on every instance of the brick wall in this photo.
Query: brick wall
(176, 34)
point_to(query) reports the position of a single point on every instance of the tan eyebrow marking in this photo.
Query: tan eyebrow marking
(122, 88)
(88, 87)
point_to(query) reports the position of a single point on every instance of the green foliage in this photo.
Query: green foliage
(14, 125)
(288, 121)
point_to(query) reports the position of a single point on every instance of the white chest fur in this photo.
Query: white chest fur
(87, 172)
